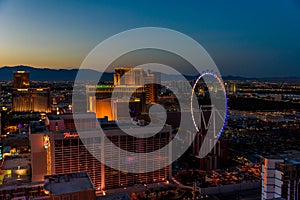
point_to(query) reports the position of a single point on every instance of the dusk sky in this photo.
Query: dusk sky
(245, 38)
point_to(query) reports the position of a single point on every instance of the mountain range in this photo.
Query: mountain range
(46, 74)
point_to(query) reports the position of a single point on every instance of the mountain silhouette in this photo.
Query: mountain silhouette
(46, 74)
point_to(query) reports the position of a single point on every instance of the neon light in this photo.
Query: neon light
(70, 135)
(102, 86)
(46, 141)
(24, 90)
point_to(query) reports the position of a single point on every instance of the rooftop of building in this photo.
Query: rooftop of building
(6, 149)
(19, 187)
(38, 127)
(68, 183)
(129, 124)
(110, 129)
(20, 72)
(83, 115)
(53, 117)
(16, 162)
(15, 140)
(119, 196)
(26, 115)
(37, 90)
(289, 157)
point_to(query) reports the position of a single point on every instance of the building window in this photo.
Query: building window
(75, 197)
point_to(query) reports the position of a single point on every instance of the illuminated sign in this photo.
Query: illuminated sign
(46, 142)
(1, 152)
(102, 86)
(70, 135)
(24, 90)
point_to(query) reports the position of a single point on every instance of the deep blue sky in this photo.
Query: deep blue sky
(247, 38)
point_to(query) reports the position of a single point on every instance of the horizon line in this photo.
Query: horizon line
(226, 75)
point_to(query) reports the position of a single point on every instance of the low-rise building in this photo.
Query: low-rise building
(71, 186)
(281, 176)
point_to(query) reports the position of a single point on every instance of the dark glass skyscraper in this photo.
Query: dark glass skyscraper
(21, 79)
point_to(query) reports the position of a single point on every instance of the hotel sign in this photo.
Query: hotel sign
(70, 135)
(46, 141)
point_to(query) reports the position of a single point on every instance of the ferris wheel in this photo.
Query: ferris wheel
(215, 112)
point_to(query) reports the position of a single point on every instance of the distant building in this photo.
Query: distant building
(129, 76)
(181, 86)
(131, 83)
(137, 76)
(103, 105)
(281, 176)
(26, 99)
(217, 158)
(21, 79)
(100, 101)
(231, 87)
(151, 84)
(31, 100)
(70, 186)
(278, 97)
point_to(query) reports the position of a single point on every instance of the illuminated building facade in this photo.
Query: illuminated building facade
(231, 87)
(151, 89)
(26, 99)
(114, 108)
(31, 100)
(100, 101)
(70, 155)
(115, 179)
(128, 82)
(67, 154)
(281, 176)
